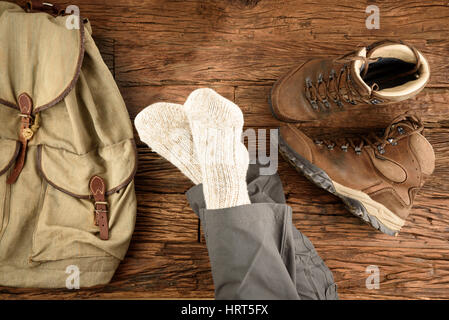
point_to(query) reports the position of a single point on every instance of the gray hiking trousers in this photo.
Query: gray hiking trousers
(255, 250)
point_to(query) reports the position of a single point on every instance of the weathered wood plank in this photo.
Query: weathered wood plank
(240, 62)
(307, 20)
(229, 42)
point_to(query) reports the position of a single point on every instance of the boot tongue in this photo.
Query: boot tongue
(356, 68)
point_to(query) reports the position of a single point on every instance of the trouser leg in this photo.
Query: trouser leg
(255, 250)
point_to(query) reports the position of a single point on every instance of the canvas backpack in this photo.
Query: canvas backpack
(68, 157)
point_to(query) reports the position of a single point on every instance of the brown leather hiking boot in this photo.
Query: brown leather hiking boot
(376, 177)
(381, 73)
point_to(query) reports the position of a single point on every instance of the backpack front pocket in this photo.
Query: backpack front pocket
(67, 225)
(9, 149)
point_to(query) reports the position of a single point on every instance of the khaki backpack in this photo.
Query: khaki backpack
(68, 158)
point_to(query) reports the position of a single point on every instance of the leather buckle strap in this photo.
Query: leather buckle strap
(98, 188)
(26, 106)
(99, 210)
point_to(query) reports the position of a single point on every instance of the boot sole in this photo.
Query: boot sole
(358, 203)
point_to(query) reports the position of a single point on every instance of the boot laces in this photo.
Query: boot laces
(398, 129)
(338, 88)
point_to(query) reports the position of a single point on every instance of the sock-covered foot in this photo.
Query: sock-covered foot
(217, 125)
(164, 127)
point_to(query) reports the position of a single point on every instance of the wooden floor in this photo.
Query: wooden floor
(161, 50)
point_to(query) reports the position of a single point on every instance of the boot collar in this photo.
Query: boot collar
(389, 49)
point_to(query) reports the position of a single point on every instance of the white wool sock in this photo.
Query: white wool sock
(164, 127)
(217, 125)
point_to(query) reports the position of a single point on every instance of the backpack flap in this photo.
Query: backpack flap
(41, 56)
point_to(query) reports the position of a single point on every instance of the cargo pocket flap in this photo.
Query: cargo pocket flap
(9, 151)
(70, 173)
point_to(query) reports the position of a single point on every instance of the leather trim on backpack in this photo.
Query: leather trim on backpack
(9, 104)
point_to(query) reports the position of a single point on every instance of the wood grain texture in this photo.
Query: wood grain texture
(162, 50)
